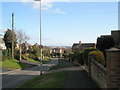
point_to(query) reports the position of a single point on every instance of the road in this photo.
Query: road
(16, 78)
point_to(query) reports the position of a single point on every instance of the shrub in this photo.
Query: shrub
(31, 55)
(78, 55)
(86, 52)
(99, 57)
(24, 57)
(5, 52)
(17, 54)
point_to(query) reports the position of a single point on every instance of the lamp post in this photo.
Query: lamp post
(40, 35)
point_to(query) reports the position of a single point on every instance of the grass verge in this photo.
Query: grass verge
(13, 64)
(51, 80)
(46, 59)
(32, 60)
(61, 64)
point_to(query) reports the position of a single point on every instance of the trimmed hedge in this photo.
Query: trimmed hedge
(78, 55)
(86, 52)
(99, 57)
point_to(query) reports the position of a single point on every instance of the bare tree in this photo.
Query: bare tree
(21, 38)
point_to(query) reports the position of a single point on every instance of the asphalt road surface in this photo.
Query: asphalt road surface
(16, 78)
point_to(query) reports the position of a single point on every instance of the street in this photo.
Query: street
(16, 78)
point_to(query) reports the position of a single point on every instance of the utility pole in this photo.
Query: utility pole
(13, 35)
(40, 35)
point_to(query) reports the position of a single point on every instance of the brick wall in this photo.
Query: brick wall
(113, 66)
(97, 71)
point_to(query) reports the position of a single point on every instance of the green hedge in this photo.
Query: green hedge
(99, 57)
(85, 54)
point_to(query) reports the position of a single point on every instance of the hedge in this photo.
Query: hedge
(99, 56)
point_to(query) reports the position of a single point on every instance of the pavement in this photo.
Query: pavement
(13, 79)
(76, 78)
(79, 79)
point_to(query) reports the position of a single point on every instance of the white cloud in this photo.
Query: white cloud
(58, 11)
(62, 0)
(2, 30)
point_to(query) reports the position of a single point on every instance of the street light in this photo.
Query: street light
(40, 35)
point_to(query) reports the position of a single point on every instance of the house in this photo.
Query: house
(2, 43)
(76, 46)
(81, 46)
(26, 46)
(40, 46)
(86, 45)
(58, 50)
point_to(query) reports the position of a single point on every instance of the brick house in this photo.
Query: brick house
(81, 46)
(57, 50)
(26, 46)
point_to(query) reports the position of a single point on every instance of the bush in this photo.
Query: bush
(85, 54)
(78, 55)
(99, 57)
(81, 61)
(24, 57)
(31, 55)
(17, 54)
(5, 52)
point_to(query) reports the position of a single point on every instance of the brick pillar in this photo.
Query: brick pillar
(113, 67)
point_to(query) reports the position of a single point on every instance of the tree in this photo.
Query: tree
(105, 43)
(36, 51)
(21, 38)
(46, 51)
(8, 37)
(68, 51)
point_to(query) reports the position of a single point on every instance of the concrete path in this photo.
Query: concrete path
(15, 78)
(79, 79)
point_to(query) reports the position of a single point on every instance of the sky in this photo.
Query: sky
(63, 23)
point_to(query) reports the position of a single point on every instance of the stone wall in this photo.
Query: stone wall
(109, 76)
(98, 74)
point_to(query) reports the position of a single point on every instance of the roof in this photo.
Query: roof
(1, 35)
(76, 45)
(102, 36)
(88, 44)
(26, 44)
(1, 40)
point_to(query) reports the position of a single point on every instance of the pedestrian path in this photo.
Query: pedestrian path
(77, 77)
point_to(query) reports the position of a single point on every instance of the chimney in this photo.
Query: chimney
(80, 42)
